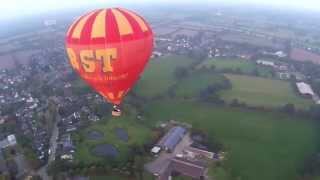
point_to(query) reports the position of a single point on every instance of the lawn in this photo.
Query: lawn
(263, 92)
(158, 76)
(138, 135)
(260, 146)
(192, 85)
(245, 66)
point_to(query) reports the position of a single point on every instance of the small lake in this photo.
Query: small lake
(105, 150)
(122, 134)
(95, 135)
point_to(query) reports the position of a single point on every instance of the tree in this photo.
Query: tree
(212, 67)
(13, 167)
(36, 177)
(180, 72)
(138, 165)
(289, 108)
(314, 112)
(312, 166)
(238, 71)
(235, 102)
(255, 72)
(58, 166)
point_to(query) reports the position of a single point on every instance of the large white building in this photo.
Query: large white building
(304, 89)
(9, 141)
(266, 63)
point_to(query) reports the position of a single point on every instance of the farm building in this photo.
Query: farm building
(184, 167)
(304, 89)
(179, 157)
(266, 63)
(189, 169)
(172, 138)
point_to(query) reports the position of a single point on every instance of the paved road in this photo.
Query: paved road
(162, 161)
(53, 147)
(23, 167)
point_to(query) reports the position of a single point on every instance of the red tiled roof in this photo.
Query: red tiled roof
(187, 168)
(303, 55)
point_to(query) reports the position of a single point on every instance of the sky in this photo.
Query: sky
(14, 8)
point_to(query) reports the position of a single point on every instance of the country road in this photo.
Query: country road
(53, 147)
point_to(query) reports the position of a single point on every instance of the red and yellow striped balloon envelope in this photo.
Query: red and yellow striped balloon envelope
(109, 48)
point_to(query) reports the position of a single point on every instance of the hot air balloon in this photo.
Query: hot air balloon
(109, 49)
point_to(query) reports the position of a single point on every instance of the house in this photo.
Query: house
(189, 169)
(305, 89)
(179, 156)
(195, 170)
(284, 75)
(265, 63)
(199, 152)
(172, 138)
(280, 54)
(9, 141)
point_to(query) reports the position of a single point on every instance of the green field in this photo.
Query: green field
(263, 92)
(196, 82)
(245, 66)
(260, 146)
(158, 76)
(138, 135)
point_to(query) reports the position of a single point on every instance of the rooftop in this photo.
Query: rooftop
(172, 138)
(305, 88)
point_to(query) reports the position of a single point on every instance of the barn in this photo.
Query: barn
(172, 138)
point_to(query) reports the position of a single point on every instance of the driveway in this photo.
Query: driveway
(160, 164)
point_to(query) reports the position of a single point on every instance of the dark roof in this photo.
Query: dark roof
(174, 137)
(188, 168)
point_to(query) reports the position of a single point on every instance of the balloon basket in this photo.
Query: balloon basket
(116, 113)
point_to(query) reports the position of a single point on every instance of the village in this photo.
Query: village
(40, 98)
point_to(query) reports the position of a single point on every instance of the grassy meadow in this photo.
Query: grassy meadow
(159, 75)
(245, 66)
(259, 145)
(191, 86)
(257, 91)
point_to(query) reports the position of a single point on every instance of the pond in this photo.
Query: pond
(95, 135)
(122, 134)
(106, 150)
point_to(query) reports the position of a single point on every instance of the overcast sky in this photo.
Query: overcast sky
(13, 8)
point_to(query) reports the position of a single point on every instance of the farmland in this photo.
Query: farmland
(259, 144)
(158, 76)
(245, 66)
(263, 92)
(191, 86)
